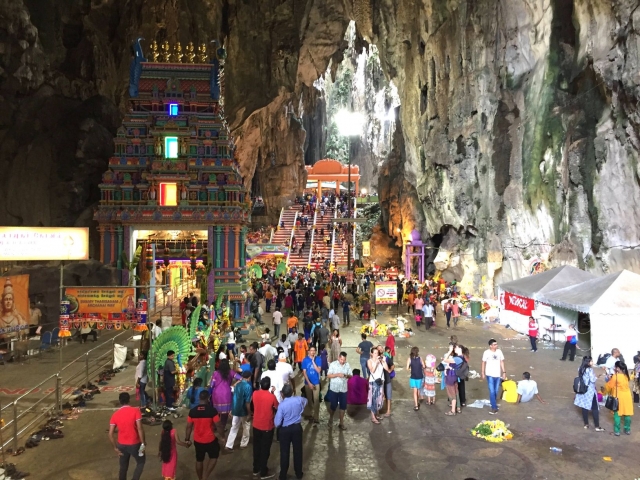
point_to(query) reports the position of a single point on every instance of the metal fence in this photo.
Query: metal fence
(22, 414)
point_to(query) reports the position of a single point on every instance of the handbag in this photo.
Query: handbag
(612, 402)
(440, 367)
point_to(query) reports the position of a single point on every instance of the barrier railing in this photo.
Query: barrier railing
(53, 392)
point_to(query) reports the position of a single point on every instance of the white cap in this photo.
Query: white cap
(222, 356)
(282, 356)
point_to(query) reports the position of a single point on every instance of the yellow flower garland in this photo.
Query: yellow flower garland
(499, 431)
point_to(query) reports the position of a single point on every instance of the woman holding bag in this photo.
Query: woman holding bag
(619, 393)
(376, 365)
(588, 400)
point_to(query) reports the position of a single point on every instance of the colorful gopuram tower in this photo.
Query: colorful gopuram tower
(174, 170)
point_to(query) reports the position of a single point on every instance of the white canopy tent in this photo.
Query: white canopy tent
(314, 184)
(613, 305)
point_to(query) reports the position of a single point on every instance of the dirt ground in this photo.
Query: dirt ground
(408, 445)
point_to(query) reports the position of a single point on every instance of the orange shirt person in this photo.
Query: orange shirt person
(292, 321)
(300, 349)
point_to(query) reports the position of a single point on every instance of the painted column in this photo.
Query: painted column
(112, 242)
(236, 252)
(226, 248)
(243, 247)
(212, 273)
(101, 231)
(218, 230)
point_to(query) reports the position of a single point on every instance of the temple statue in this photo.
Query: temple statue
(177, 53)
(191, 56)
(158, 146)
(155, 55)
(202, 53)
(166, 52)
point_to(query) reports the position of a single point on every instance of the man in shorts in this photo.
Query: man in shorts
(338, 375)
(201, 421)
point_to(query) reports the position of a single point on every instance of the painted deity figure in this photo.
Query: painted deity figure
(166, 52)
(152, 192)
(155, 55)
(11, 317)
(158, 146)
(184, 146)
(191, 56)
(183, 192)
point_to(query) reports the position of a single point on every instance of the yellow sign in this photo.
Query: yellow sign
(15, 303)
(366, 249)
(360, 270)
(100, 300)
(43, 243)
(386, 293)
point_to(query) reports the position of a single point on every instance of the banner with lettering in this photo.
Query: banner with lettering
(518, 304)
(105, 300)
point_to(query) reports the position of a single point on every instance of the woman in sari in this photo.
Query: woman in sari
(221, 382)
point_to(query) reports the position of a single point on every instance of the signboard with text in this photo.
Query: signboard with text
(101, 300)
(386, 293)
(43, 243)
(518, 304)
(366, 249)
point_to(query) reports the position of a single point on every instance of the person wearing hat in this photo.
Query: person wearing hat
(241, 411)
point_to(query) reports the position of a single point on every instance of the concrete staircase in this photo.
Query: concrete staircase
(319, 244)
(283, 235)
(300, 260)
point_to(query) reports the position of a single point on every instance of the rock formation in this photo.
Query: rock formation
(517, 130)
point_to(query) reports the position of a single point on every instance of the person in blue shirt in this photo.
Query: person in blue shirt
(241, 412)
(311, 367)
(288, 422)
(346, 306)
(193, 393)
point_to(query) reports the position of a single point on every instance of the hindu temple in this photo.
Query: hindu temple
(173, 186)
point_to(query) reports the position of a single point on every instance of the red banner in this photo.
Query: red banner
(518, 304)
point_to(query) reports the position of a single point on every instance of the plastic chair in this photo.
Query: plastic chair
(55, 340)
(45, 341)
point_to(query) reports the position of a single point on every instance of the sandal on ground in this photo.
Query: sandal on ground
(342, 427)
(449, 414)
(586, 427)
(598, 429)
(458, 410)
(376, 422)
(416, 408)
(387, 415)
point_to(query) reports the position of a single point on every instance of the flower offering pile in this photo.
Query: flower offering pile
(492, 431)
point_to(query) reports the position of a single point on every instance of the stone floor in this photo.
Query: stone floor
(409, 445)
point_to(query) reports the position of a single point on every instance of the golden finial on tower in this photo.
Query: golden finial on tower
(166, 52)
(177, 53)
(191, 57)
(202, 53)
(154, 52)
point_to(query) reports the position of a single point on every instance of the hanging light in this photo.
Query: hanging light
(193, 251)
(149, 256)
(167, 254)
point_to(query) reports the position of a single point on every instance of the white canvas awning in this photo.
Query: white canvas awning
(614, 294)
(536, 285)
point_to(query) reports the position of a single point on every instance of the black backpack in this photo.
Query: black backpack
(602, 359)
(579, 386)
(463, 371)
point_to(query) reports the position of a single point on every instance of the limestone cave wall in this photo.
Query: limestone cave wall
(516, 138)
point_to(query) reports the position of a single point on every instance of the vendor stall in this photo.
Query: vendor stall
(613, 305)
(522, 298)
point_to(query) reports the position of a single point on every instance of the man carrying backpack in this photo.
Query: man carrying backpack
(570, 344)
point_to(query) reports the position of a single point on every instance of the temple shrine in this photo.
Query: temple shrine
(173, 185)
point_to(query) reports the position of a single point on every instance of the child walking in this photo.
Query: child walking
(430, 379)
(168, 452)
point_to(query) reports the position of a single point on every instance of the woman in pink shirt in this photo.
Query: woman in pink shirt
(455, 311)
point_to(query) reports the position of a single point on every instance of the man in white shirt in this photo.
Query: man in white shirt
(35, 315)
(276, 379)
(610, 365)
(335, 322)
(293, 338)
(493, 370)
(142, 379)
(285, 344)
(427, 312)
(285, 370)
(156, 330)
(338, 375)
(527, 389)
(269, 352)
(277, 321)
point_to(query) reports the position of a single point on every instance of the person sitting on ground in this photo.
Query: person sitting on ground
(527, 388)
(357, 389)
